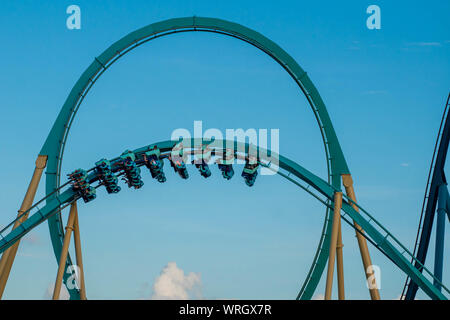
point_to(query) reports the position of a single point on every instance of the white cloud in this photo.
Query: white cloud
(48, 295)
(173, 284)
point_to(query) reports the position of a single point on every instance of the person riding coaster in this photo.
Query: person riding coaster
(226, 164)
(154, 164)
(80, 185)
(104, 172)
(132, 171)
(250, 171)
(201, 161)
(176, 159)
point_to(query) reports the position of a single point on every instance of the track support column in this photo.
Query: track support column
(64, 251)
(9, 255)
(440, 234)
(77, 240)
(340, 264)
(333, 243)
(362, 243)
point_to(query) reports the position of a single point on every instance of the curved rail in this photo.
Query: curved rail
(323, 191)
(56, 140)
(437, 177)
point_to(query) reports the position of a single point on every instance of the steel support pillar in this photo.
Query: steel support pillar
(9, 255)
(362, 243)
(440, 234)
(340, 264)
(77, 241)
(333, 243)
(64, 251)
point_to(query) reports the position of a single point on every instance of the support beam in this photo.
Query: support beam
(77, 240)
(363, 248)
(9, 255)
(64, 251)
(333, 243)
(440, 234)
(340, 264)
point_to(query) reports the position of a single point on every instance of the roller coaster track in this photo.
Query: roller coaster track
(320, 189)
(56, 141)
(435, 177)
(59, 196)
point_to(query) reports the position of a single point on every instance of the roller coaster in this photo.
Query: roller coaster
(81, 184)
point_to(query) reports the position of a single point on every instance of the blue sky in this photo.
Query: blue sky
(384, 89)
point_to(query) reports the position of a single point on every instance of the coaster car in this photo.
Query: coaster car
(201, 161)
(106, 176)
(81, 186)
(179, 166)
(250, 172)
(131, 170)
(226, 164)
(154, 164)
(177, 161)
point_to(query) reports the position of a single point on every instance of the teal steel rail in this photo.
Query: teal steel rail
(56, 140)
(383, 239)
